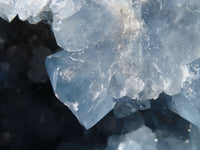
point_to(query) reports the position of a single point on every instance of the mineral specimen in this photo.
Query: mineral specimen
(141, 52)
(120, 51)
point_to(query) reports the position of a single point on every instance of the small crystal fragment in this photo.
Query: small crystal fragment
(141, 139)
(127, 106)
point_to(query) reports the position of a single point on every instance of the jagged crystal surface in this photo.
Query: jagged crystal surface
(127, 106)
(120, 48)
(187, 102)
(82, 84)
(141, 139)
(146, 45)
(6, 11)
(178, 136)
(25, 9)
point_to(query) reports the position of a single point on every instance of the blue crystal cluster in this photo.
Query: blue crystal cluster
(125, 53)
(119, 54)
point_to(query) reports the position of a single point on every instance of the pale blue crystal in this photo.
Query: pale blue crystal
(187, 102)
(141, 139)
(84, 29)
(141, 47)
(170, 143)
(80, 81)
(6, 10)
(127, 106)
(25, 9)
(194, 138)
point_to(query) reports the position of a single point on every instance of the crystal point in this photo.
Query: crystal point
(80, 85)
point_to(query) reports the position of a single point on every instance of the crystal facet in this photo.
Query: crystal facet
(81, 85)
(187, 102)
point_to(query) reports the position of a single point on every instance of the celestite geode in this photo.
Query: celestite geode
(120, 52)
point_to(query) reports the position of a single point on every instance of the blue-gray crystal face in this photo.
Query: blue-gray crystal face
(141, 139)
(187, 102)
(84, 29)
(194, 138)
(80, 81)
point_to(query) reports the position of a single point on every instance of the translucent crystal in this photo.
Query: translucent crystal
(127, 106)
(84, 29)
(187, 102)
(29, 8)
(141, 139)
(80, 82)
(172, 144)
(25, 9)
(194, 138)
(6, 10)
(145, 44)
(148, 35)
(63, 9)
